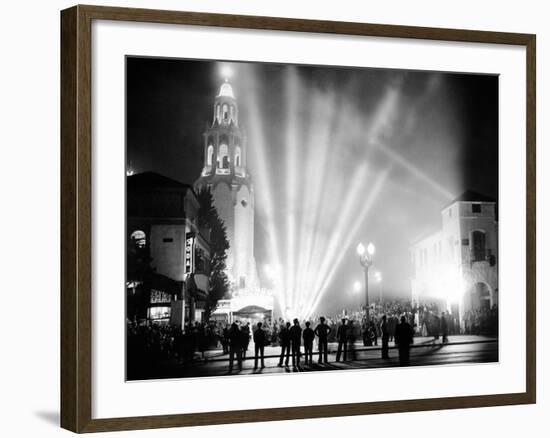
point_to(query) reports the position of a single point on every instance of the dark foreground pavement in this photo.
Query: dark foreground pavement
(459, 350)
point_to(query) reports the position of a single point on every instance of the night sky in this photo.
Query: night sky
(435, 133)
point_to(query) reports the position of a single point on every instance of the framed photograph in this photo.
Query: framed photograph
(268, 218)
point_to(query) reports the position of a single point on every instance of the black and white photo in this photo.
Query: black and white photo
(298, 218)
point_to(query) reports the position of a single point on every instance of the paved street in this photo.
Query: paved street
(460, 349)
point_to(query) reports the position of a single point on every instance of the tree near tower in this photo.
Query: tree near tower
(218, 280)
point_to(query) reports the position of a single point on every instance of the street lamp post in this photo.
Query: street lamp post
(356, 290)
(378, 278)
(366, 258)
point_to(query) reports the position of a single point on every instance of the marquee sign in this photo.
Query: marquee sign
(158, 297)
(189, 252)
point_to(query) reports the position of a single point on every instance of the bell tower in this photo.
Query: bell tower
(226, 175)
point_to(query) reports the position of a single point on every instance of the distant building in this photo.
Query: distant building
(162, 226)
(456, 268)
(225, 174)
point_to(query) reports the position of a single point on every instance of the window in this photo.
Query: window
(450, 212)
(139, 238)
(209, 155)
(167, 240)
(478, 246)
(423, 257)
(225, 112)
(244, 203)
(223, 157)
(200, 260)
(476, 208)
(237, 156)
(242, 282)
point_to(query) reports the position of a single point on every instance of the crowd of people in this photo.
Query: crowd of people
(482, 321)
(291, 336)
(395, 321)
(150, 343)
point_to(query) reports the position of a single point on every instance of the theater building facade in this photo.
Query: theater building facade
(167, 253)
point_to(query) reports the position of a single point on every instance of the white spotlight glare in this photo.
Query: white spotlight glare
(226, 72)
(370, 249)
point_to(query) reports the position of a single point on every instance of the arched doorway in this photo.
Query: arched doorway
(481, 315)
(481, 296)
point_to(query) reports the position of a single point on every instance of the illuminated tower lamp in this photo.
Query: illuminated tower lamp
(366, 258)
(226, 72)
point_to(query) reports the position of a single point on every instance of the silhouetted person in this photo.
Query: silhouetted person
(235, 346)
(245, 330)
(284, 339)
(342, 336)
(322, 331)
(373, 336)
(225, 340)
(351, 340)
(259, 344)
(444, 328)
(385, 333)
(365, 334)
(436, 325)
(202, 340)
(296, 341)
(403, 339)
(308, 336)
(392, 323)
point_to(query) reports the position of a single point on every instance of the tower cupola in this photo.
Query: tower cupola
(225, 106)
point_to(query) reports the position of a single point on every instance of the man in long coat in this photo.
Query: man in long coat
(404, 339)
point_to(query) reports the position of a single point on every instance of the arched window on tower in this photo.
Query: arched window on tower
(232, 113)
(237, 156)
(223, 157)
(225, 112)
(139, 238)
(218, 113)
(209, 155)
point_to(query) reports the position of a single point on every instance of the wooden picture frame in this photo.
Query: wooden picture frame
(76, 218)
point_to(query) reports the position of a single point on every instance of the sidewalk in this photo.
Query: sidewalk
(419, 341)
(459, 350)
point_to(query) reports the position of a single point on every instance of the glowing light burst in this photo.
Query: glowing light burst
(397, 158)
(321, 208)
(344, 240)
(322, 259)
(264, 184)
(226, 71)
(315, 240)
(292, 89)
(312, 185)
